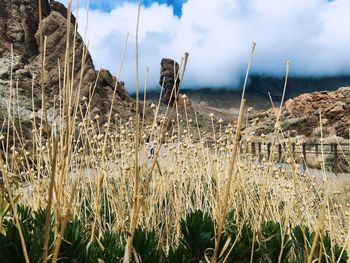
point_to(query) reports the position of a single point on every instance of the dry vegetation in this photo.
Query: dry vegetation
(75, 172)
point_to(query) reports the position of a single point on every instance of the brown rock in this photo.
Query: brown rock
(169, 80)
(19, 20)
(335, 113)
(342, 129)
(55, 28)
(302, 114)
(348, 99)
(60, 8)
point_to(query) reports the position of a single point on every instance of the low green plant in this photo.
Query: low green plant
(146, 245)
(198, 235)
(303, 238)
(242, 237)
(277, 243)
(270, 243)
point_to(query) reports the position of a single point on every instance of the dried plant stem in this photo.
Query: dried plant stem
(15, 215)
(114, 93)
(318, 231)
(223, 210)
(63, 223)
(144, 99)
(183, 71)
(135, 206)
(53, 164)
(274, 140)
(5, 167)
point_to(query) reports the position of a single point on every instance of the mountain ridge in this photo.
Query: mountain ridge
(258, 90)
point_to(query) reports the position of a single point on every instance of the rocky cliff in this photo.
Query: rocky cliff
(304, 114)
(19, 20)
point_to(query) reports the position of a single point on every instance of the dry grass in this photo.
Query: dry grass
(97, 165)
(190, 176)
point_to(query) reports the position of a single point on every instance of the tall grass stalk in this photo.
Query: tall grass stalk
(223, 209)
(144, 98)
(135, 205)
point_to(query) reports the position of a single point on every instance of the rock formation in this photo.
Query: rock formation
(169, 73)
(301, 115)
(19, 20)
(170, 80)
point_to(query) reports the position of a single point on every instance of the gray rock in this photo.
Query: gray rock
(348, 99)
(169, 80)
(19, 27)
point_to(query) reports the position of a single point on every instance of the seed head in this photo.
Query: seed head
(32, 116)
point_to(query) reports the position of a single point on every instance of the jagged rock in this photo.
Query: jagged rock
(302, 114)
(169, 72)
(335, 112)
(55, 29)
(60, 8)
(170, 81)
(19, 20)
(348, 99)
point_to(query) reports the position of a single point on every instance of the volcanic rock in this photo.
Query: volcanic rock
(169, 80)
(302, 114)
(19, 31)
(60, 8)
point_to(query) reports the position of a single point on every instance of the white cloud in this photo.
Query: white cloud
(314, 35)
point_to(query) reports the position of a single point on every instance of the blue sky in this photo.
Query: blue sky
(314, 35)
(108, 5)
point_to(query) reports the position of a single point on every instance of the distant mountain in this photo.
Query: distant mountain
(296, 85)
(258, 89)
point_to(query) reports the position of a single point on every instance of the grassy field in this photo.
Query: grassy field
(94, 182)
(87, 191)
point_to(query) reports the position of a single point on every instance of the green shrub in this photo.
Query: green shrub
(277, 244)
(197, 235)
(195, 244)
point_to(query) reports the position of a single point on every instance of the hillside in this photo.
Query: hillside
(303, 115)
(20, 29)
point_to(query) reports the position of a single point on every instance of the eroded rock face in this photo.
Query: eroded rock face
(301, 115)
(19, 20)
(19, 23)
(60, 8)
(169, 79)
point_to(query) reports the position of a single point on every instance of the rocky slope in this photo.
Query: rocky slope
(19, 27)
(301, 116)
